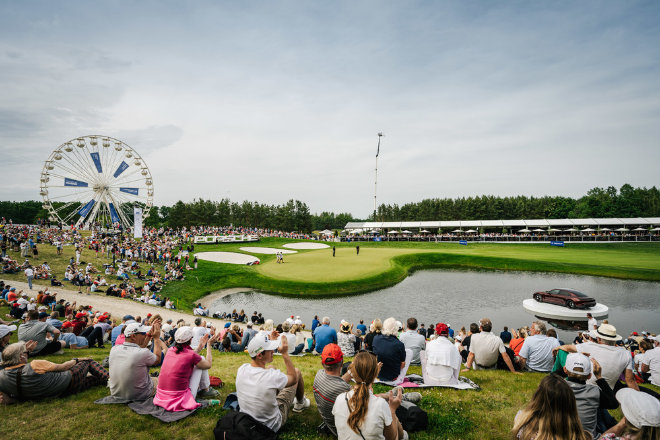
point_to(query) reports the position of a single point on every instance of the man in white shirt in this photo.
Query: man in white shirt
(613, 360)
(536, 352)
(485, 348)
(266, 393)
(441, 361)
(29, 273)
(198, 332)
(651, 362)
(413, 341)
(592, 324)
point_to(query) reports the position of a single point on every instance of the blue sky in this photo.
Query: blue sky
(274, 100)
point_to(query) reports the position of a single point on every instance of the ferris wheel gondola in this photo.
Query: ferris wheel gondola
(95, 181)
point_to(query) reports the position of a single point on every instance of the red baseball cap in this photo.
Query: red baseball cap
(441, 329)
(67, 324)
(332, 354)
(81, 314)
(102, 318)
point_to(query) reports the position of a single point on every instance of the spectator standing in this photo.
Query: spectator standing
(505, 335)
(29, 274)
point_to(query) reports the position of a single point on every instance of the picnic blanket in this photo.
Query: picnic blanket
(417, 381)
(147, 407)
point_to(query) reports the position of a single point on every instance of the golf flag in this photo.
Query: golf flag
(137, 222)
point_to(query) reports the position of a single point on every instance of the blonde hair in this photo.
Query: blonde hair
(268, 325)
(551, 414)
(364, 370)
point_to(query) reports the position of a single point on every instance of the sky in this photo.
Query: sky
(275, 100)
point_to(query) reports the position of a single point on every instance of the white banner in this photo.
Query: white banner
(137, 222)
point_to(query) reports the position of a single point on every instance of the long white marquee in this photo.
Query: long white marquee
(537, 223)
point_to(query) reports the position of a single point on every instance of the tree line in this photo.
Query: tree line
(597, 203)
(295, 215)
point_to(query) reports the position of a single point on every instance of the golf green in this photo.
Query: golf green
(319, 266)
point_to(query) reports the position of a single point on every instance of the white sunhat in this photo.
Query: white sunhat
(183, 335)
(261, 343)
(607, 332)
(578, 360)
(135, 327)
(639, 408)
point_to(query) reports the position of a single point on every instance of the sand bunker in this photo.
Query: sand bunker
(266, 250)
(226, 257)
(306, 246)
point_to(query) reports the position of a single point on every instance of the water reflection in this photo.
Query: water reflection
(461, 297)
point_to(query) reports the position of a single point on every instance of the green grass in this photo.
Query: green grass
(453, 414)
(379, 265)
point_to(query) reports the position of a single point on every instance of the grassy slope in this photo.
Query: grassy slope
(487, 414)
(388, 264)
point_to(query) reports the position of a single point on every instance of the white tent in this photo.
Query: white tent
(571, 230)
(393, 232)
(539, 230)
(639, 229)
(327, 232)
(424, 231)
(525, 231)
(623, 229)
(588, 230)
(471, 231)
(406, 232)
(457, 231)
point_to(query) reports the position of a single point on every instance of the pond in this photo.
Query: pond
(461, 297)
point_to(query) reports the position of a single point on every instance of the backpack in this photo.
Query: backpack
(236, 425)
(412, 418)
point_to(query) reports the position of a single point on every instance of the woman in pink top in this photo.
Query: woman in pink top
(182, 371)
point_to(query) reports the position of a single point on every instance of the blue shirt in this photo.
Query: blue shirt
(315, 323)
(70, 339)
(324, 335)
(116, 332)
(362, 328)
(391, 352)
(54, 322)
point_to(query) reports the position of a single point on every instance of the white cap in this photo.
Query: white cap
(261, 343)
(6, 329)
(135, 327)
(639, 408)
(183, 335)
(166, 328)
(578, 360)
(42, 308)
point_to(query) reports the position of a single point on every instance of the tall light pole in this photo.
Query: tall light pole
(380, 135)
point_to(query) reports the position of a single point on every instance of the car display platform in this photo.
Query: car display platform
(544, 310)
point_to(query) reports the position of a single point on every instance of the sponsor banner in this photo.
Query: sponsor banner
(463, 242)
(74, 182)
(557, 243)
(378, 239)
(137, 222)
(113, 214)
(97, 161)
(85, 209)
(120, 169)
(133, 191)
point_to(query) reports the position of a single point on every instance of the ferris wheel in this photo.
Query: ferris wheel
(96, 181)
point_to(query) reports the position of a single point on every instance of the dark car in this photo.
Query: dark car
(566, 297)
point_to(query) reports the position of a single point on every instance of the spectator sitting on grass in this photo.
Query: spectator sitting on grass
(265, 393)
(324, 334)
(413, 341)
(391, 353)
(551, 414)
(441, 361)
(329, 383)
(41, 378)
(346, 339)
(588, 397)
(485, 348)
(35, 330)
(130, 362)
(72, 341)
(641, 417)
(536, 352)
